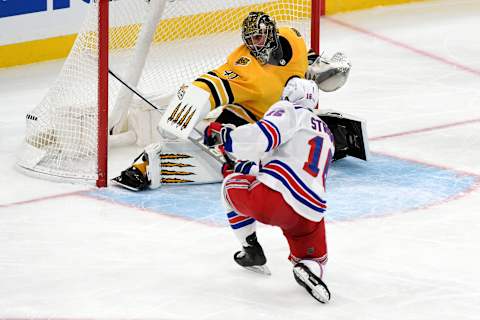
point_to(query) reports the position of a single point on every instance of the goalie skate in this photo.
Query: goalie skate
(252, 257)
(132, 179)
(311, 282)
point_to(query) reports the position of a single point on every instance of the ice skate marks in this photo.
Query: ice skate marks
(355, 189)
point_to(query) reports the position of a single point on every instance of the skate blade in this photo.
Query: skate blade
(117, 181)
(318, 290)
(260, 269)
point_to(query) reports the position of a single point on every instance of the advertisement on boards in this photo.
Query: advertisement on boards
(28, 20)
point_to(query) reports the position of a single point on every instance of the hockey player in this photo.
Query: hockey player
(250, 81)
(255, 73)
(280, 180)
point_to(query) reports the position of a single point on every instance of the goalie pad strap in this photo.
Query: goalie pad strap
(152, 154)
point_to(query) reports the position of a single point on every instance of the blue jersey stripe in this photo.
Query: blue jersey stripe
(297, 196)
(267, 134)
(279, 137)
(298, 180)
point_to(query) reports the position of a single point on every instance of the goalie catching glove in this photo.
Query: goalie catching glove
(329, 74)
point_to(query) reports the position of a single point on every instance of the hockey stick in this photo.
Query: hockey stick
(133, 90)
(221, 158)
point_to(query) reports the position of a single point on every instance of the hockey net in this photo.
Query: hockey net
(155, 46)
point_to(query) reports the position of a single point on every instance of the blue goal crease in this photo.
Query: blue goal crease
(355, 189)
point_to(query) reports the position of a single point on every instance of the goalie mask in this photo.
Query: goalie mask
(259, 33)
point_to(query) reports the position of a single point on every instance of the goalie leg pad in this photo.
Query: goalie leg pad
(154, 167)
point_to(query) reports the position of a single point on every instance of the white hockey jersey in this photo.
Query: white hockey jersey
(294, 148)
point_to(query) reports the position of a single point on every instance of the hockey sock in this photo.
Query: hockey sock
(242, 226)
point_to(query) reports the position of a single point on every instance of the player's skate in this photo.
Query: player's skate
(252, 256)
(134, 179)
(308, 274)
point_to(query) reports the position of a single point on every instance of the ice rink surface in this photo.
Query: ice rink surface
(403, 229)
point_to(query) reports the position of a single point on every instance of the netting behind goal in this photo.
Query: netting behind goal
(155, 46)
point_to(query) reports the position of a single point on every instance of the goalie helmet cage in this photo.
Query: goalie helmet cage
(155, 46)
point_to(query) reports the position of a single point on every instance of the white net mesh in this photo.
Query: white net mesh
(191, 38)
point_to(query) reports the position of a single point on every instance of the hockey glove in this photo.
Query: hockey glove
(246, 167)
(217, 133)
(227, 169)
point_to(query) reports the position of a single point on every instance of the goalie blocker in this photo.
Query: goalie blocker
(190, 105)
(350, 135)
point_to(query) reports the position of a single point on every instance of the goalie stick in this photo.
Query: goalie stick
(220, 157)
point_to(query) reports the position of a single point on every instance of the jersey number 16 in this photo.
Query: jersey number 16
(312, 166)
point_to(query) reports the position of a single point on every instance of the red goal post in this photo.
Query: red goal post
(153, 45)
(102, 150)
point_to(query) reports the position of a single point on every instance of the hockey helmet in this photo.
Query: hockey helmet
(259, 33)
(301, 92)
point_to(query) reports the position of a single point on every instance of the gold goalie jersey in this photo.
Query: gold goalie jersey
(242, 83)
